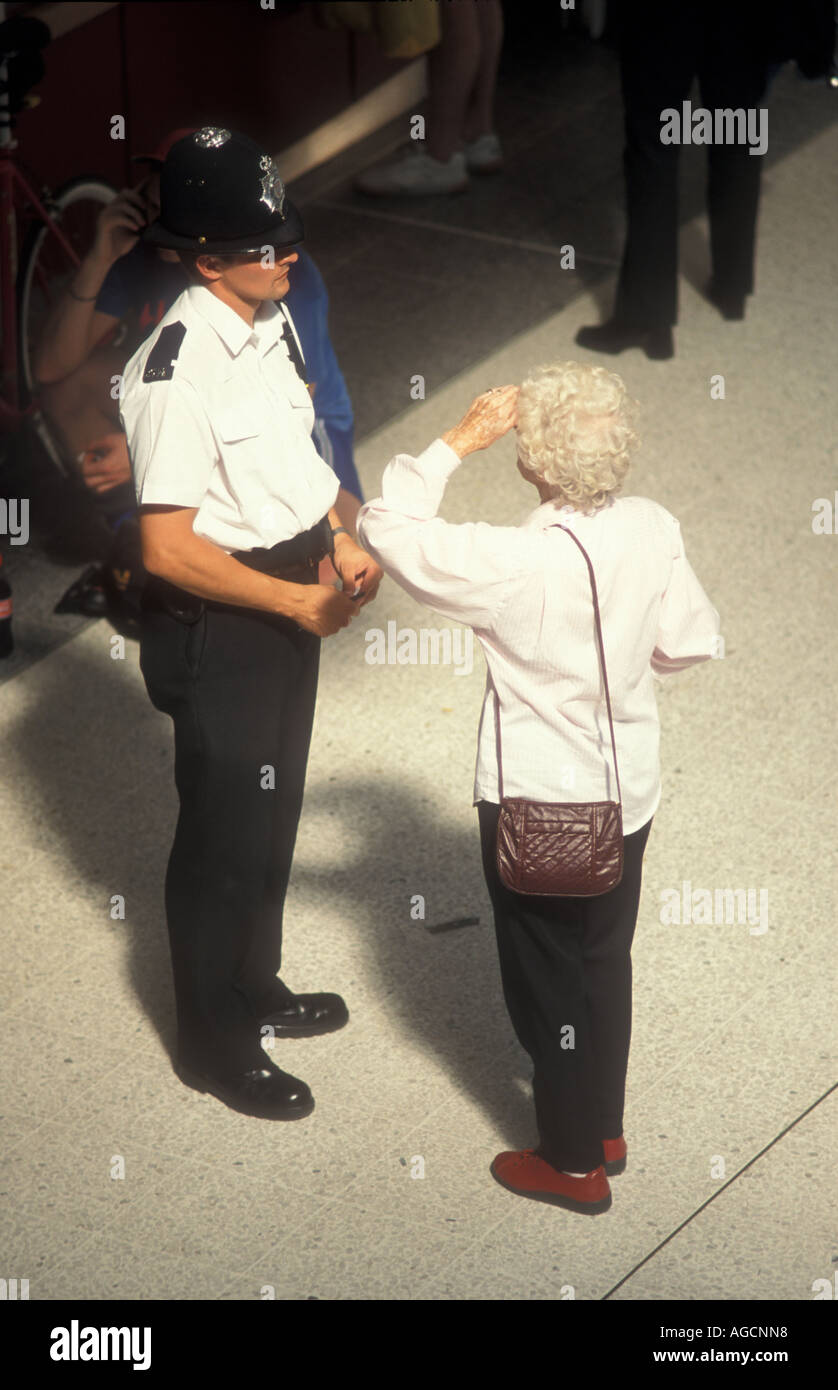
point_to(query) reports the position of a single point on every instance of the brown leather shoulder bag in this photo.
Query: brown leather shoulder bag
(562, 849)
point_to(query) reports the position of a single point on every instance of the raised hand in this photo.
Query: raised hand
(119, 225)
(488, 418)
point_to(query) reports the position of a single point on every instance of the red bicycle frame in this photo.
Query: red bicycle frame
(14, 188)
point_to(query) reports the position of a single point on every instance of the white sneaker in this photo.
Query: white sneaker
(484, 155)
(415, 173)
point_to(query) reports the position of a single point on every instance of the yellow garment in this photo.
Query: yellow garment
(347, 14)
(404, 28)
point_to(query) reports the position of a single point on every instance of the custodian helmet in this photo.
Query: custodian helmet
(221, 193)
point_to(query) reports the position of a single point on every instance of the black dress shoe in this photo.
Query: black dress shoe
(265, 1092)
(306, 1015)
(615, 336)
(731, 306)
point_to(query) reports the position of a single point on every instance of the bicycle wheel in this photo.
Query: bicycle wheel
(46, 269)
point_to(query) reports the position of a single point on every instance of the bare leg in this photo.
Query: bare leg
(452, 69)
(80, 407)
(479, 117)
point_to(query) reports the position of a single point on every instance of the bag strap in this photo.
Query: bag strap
(600, 655)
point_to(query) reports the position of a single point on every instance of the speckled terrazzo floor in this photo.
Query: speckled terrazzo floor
(384, 1192)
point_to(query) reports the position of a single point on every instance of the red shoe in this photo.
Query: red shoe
(615, 1156)
(528, 1175)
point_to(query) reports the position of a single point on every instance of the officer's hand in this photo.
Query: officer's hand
(358, 570)
(106, 463)
(324, 610)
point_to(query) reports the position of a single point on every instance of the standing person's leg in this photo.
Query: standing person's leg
(658, 55)
(647, 288)
(223, 681)
(658, 44)
(732, 79)
(479, 115)
(453, 66)
(299, 659)
(540, 948)
(609, 932)
(437, 165)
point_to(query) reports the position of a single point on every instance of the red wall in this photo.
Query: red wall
(275, 75)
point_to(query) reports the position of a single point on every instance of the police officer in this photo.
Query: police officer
(236, 512)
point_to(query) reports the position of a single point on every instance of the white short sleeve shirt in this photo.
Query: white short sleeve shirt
(227, 429)
(525, 592)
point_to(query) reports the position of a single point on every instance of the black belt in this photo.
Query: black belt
(295, 560)
(307, 549)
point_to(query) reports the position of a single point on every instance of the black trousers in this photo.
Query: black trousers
(240, 687)
(664, 45)
(566, 964)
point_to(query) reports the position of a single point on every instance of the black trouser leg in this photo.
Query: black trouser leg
(240, 689)
(647, 288)
(294, 719)
(663, 47)
(732, 81)
(609, 932)
(566, 972)
(657, 66)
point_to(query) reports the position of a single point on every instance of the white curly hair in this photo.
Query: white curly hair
(575, 431)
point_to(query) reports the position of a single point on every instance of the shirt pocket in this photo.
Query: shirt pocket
(238, 413)
(239, 422)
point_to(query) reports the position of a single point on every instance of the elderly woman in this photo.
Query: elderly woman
(525, 590)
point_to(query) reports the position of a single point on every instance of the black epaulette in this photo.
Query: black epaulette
(160, 365)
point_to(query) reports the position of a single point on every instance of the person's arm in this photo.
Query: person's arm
(460, 571)
(347, 507)
(173, 551)
(355, 567)
(688, 625)
(75, 326)
(308, 302)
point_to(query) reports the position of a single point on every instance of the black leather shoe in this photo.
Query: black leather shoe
(266, 1092)
(731, 306)
(306, 1015)
(615, 336)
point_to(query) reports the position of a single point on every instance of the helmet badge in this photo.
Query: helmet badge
(211, 137)
(273, 190)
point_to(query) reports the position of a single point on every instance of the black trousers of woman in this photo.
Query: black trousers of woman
(566, 972)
